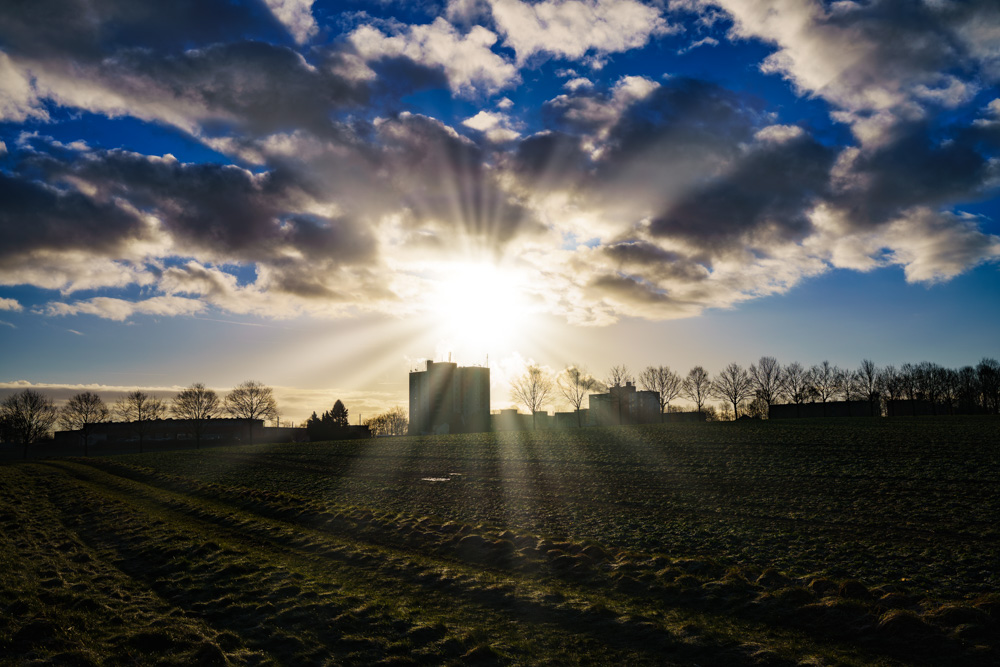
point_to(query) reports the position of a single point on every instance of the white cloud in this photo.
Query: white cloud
(121, 310)
(572, 29)
(876, 68)
(779, 133)
(296, 15)
(19, 99)
(496, 126)
(467, 59)
(578, 83)
(706, 41)
(934, 247)
(10, 304)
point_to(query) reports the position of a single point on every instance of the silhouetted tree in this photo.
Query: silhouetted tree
(908, 379)
(251, 400)
(795, 383)
(765, 377)
(666, 383)
(532, 389)
(824, 382)
(848, 385)
(198, 405)
(969, 394)
(28, 416)
(137, 409)
(988, 374)
(81, 413)
(338, 415)
(575, 384)
(733, 384)
(891, 381)
(948, 379)
(869, 382)
(697, 387)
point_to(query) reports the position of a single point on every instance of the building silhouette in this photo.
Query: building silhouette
(624, 405)
(448, 398)
(221, 431)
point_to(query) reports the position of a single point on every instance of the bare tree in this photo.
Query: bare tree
(825, 379)
(733, 384)
(927, 376)
(575, 384)
(908, 378)
(968, 390)
(532, 389)
(891, 381)
(393, 422)
(697, 387)
(198, 405)
(252, 400)
(81, 413)
(869, 381)
(849, 385)
(765, 376)
(666, 383)
(988, 374)
(796, 383)
(28, 416)
(138, 408)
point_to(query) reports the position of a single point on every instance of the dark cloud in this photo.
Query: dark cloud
(224, 210)
(549, 160)
(772, 187)
(90, 29)
(35, 216)
(920, 167)
(644, 258)
(685, 116)
(264, 88)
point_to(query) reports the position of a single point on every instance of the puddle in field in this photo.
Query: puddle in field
(441, 479)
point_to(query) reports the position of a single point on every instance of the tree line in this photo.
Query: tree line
(28, 416)
(334, 424)
(752, 391)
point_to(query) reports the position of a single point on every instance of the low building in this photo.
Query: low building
(165, 431)
(510, 420)
(624, 405)
(819, 410)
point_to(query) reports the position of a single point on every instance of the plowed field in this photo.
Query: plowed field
(833, 542)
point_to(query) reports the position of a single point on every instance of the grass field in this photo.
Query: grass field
(825, 543)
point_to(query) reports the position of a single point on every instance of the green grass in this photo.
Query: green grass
(826, 542)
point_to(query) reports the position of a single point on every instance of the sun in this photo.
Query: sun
(479, 308)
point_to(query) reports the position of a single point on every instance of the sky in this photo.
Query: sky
(322, 195)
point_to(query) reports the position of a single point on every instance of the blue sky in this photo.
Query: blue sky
(318, 195)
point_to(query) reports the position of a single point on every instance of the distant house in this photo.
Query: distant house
(624, 405)
(448, 398)
(510, 420)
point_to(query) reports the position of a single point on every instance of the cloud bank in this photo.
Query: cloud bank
(350, 152)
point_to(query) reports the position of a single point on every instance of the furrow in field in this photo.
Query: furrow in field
(596, 622)
(65, 602)
(215, 579)
(678, 599)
